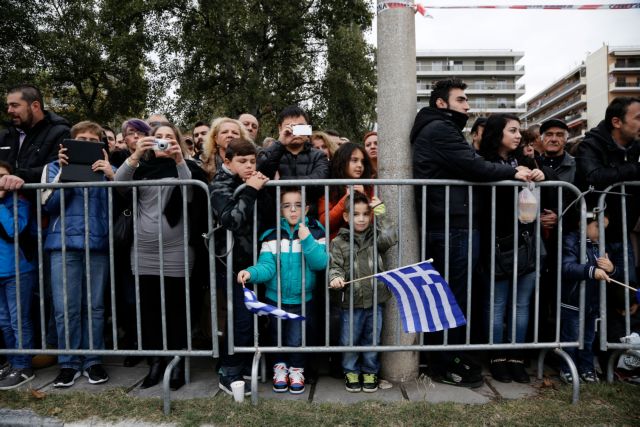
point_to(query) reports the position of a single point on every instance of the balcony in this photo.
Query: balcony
(624, 87)
(574, 103)
(424, 89)
(541, 104)
(626, 65)
(575, 119)
(470, 70)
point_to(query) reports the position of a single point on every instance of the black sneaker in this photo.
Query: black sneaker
(96, 374)
(16, 378)
(5, 369)
(224, 384)
(66, 378)
(459, 374)
(352, 382)
(500, 369)
(369, 383)
(517, 371)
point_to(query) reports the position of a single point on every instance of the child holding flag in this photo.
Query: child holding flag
(300, 237)
(360, 295)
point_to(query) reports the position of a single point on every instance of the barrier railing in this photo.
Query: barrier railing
(151, 215)
(424, 187)
(619, 210)
(396, 193)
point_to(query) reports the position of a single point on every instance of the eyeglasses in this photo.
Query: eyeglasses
(135, 133)
(291, 206)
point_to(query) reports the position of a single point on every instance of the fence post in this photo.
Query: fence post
(396, 107)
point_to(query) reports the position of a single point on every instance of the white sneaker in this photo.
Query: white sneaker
(280, 378)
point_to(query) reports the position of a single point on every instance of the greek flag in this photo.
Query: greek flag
(424, 298)
(262, 309)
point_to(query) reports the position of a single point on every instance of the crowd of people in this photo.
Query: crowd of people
(226, 155)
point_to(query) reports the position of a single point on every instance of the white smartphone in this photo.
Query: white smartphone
(301, 130)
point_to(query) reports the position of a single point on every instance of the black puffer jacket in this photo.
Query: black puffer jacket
(310, 163)
(441, 152)
(40, 146)
(601, 162)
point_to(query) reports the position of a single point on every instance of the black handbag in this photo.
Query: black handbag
(123, 229)
(526, 253)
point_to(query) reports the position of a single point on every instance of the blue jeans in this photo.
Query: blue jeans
(503, 304)
(9, 316)
(363, 334)
(77, 305)
(291, 333)
(569, 332)
(458, 269)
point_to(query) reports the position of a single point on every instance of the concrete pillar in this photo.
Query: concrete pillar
(396, 107)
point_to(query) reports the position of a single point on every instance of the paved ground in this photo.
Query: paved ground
(204, 383)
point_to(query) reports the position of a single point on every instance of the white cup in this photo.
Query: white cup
(237, 387)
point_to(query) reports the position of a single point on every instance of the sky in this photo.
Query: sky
(553, 41)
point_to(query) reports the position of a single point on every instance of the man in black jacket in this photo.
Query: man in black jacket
(293, 156)
(440, 151)
(610, 153)
(33, 138)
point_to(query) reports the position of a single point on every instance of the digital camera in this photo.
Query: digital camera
(161, 144)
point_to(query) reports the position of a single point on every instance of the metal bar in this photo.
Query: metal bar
(514, 284)
(136, 268)
(63, 239)
(304, 270)
(492, 269)
(16, 263)
(187, 264)
(87, 264)
(112, 274)
(43, 335)
(163, 308)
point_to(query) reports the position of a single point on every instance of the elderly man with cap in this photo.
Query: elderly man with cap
(554, 134)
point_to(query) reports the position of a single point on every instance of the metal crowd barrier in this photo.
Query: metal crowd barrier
(396, 190)
(606, 343)
(135, 187)
(395, 193)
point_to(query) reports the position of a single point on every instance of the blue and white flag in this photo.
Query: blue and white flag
(426, 303)
(262, 309)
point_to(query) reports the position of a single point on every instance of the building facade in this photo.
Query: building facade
(491, 75)
(581, 96)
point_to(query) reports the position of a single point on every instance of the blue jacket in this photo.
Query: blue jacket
(573, 271)
(7, 252)
(291, 248)
(74, 215)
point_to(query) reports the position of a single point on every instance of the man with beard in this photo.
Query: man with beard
(33, 138)
(199, 133)
(440, 151)
(293, 156)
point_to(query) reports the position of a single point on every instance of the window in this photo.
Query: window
(479, 65)
(501, 65)
(502, 84)
(437, 65)
(479, 84)
(457, 65)
(502, 102)
(480, 102)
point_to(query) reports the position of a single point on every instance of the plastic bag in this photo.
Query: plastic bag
(527, 205)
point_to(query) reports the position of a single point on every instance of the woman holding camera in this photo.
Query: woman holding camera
(160, 240)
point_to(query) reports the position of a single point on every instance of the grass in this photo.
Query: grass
(600, 404)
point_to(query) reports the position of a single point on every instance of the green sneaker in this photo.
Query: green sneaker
(352, 382)
(369, 383)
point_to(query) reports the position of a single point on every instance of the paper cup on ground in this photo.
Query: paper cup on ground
(237, 387)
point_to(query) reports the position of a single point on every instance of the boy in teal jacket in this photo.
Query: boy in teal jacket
(296, 239)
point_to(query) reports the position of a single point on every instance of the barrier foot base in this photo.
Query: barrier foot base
(254, 377)
(613, 359)
(166, 390)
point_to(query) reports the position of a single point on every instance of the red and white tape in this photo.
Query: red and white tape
(421, 9)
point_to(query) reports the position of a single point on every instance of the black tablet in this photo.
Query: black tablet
(82, 154)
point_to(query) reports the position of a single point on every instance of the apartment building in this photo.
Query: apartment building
(581, 96)
(492, 77)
